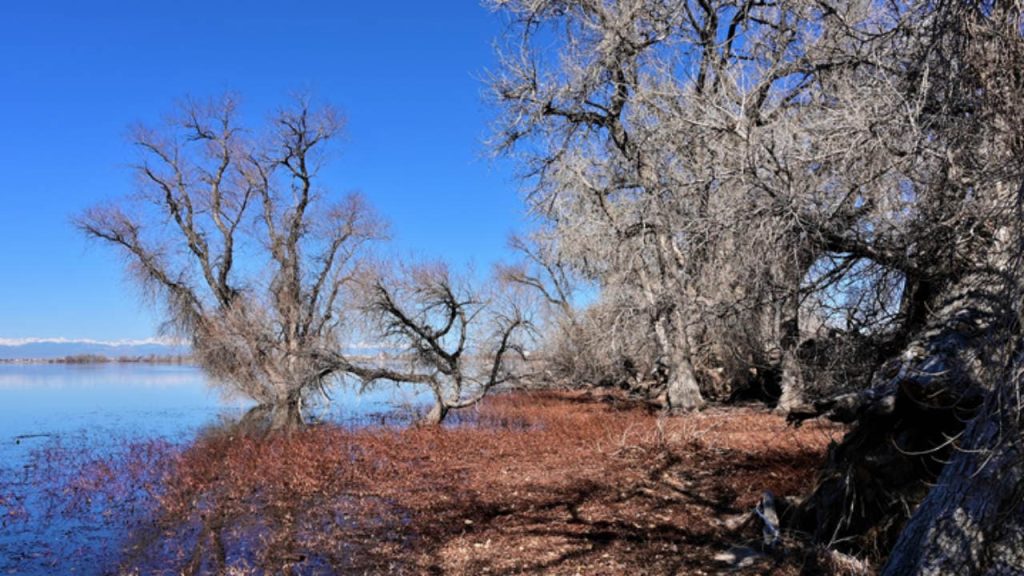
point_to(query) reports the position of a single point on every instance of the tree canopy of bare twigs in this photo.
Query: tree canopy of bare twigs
(552, 291)
(811, 188)
(754, 171)
(233, 232)
(458, 340)
(668, 145)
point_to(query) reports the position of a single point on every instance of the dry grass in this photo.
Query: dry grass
(530, 483)
(537, 483)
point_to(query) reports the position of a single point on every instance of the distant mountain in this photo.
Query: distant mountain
(51, 348)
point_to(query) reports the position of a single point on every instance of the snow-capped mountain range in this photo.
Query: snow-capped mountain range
(50, 348)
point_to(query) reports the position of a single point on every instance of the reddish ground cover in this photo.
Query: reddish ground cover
(535, 483)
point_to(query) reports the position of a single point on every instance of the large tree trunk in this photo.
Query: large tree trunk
(683, 391)
(972, 521)
(788, 276)
(283, 416)
(903, 424)
(791, 380)
(436, 415)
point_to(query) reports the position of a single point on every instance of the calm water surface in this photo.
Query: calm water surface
(103, 404)
(145, 399)
(40, 400)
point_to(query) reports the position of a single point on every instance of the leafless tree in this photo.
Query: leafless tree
(552, 290)
(232, 232)
(956, 337)
(540, 270)
(670, 145)
(459, 341)
(816, 174)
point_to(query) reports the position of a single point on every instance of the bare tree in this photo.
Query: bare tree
(953, 355)
(670, 146)
(233, 234)
(458, 341)
(551, 289)
(850, 168)
(541, 270)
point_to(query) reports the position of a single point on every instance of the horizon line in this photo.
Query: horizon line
(119, 342)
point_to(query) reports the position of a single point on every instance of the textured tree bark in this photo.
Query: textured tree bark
(286, 417)
(972, 521)
(276, 417)
(791, 380)
(903, 424)
(436, 415)
(788, 274)
(683, 391)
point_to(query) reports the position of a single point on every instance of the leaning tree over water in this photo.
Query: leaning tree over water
(265, 272)
(233, 232)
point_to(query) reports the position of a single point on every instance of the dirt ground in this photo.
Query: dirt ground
(526, 483)
(605, 487)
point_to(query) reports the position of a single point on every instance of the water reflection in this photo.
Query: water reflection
(102, 376)
(86, 450)
(168, 401)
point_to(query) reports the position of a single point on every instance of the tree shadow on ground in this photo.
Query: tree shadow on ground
(579, 489)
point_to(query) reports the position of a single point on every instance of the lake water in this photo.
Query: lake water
(44, 403)
(42, 400)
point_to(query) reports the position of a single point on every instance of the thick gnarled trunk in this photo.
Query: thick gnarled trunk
(972, 521)
(436, 415)
(283, 417)
(907, 424)
(682, 391)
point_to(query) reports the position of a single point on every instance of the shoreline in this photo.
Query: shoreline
(531, 482)
(98, 359)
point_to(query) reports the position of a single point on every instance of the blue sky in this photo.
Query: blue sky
(74, 75)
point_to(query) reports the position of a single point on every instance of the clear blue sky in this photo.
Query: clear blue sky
(74, 75)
